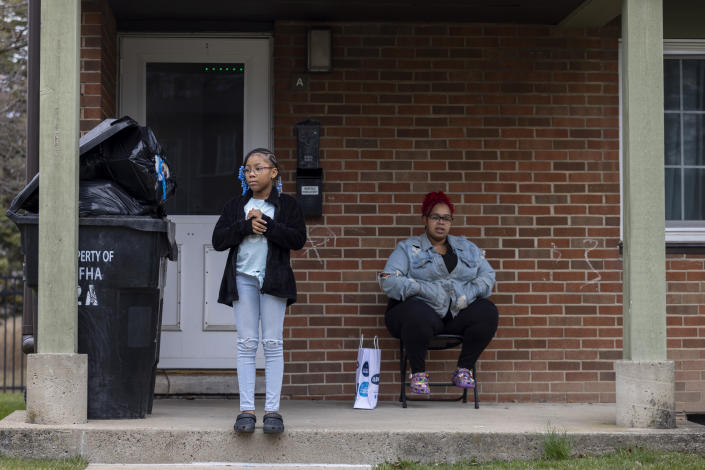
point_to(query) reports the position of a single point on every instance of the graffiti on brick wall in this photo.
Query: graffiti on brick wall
(318, 237)
(590, 245)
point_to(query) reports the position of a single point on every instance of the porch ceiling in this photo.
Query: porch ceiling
(138, 14)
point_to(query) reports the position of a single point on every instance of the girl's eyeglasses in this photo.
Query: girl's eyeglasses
(257, 170)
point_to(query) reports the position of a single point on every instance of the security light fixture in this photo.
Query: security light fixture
(320, 49)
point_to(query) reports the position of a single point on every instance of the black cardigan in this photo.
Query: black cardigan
(286, 232)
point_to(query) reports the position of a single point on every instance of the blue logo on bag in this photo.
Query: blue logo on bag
(375, 379)
(363, 389)
(366, 369)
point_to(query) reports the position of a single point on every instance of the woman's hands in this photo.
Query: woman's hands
(259, 225)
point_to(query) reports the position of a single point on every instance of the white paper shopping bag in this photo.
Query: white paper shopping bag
(367, 376)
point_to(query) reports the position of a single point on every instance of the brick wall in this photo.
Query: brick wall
(686, 327)
(98, 63)
(520, 126)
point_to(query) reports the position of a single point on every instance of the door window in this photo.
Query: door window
(196, 112)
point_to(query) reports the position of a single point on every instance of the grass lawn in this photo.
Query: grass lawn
(42, 464)
(629, 459)
(10, 402)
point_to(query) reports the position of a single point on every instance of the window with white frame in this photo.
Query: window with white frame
(684, 140)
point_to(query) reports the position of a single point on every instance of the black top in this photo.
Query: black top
(450, 258)
(285, 232)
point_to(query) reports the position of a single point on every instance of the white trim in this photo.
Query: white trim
(685, 235)
(683, 46)
(621, 149)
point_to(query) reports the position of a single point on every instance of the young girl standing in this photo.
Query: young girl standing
(259, 227)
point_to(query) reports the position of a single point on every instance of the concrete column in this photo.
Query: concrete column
(645, 379)
(57, 376)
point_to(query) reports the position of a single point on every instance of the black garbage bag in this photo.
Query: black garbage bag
(100, 197)
(103, 197)
(136, 161)
(93, 166)
(92, 163)
(130, 155)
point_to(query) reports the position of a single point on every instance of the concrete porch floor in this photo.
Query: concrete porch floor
(329, 432)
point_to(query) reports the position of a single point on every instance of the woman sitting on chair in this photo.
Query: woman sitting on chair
(437, 284)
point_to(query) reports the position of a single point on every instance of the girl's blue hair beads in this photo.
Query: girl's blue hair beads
(243, 180)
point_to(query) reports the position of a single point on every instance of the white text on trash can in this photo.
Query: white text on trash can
(91, 273)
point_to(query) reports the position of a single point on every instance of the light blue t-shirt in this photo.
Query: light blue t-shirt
(252, 253)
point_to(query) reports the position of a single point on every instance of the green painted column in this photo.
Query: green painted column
(58, 186)
(643, 181)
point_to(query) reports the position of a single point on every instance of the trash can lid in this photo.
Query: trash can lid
(27, 199)
(104, 131)
(137, 222)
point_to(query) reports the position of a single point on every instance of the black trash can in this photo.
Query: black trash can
(121, 269)
(121, 272)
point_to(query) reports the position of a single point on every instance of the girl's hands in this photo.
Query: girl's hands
(259, 226)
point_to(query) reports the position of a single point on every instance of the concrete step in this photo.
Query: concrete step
(333, 433)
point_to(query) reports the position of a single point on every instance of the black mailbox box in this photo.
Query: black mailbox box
(308, 135)
(309, 191)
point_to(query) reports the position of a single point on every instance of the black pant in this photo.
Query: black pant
(416, 323)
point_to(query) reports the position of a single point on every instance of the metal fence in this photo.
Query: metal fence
(12, 360)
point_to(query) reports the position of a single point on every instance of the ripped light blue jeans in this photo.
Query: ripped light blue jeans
(253, 308)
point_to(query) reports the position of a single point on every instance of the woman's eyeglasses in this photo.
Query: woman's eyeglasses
(444, 218)
(256, 170)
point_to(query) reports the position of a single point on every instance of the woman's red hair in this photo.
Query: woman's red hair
(432, 199)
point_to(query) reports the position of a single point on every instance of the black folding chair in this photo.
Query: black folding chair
(438, 342)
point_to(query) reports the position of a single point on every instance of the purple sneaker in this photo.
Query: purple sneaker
(463, 378)
(419, 384)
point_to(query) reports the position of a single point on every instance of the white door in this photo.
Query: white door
(208, 102)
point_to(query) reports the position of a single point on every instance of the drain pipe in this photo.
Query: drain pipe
(29, 304)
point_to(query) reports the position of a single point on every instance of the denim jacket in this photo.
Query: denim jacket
(415, 268)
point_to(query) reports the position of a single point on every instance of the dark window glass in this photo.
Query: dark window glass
(693, 194)
(672, 84)
(693, 136)
(693, 80)
(673, 194)
(196, 112)
(684, 138)
(672, 139)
